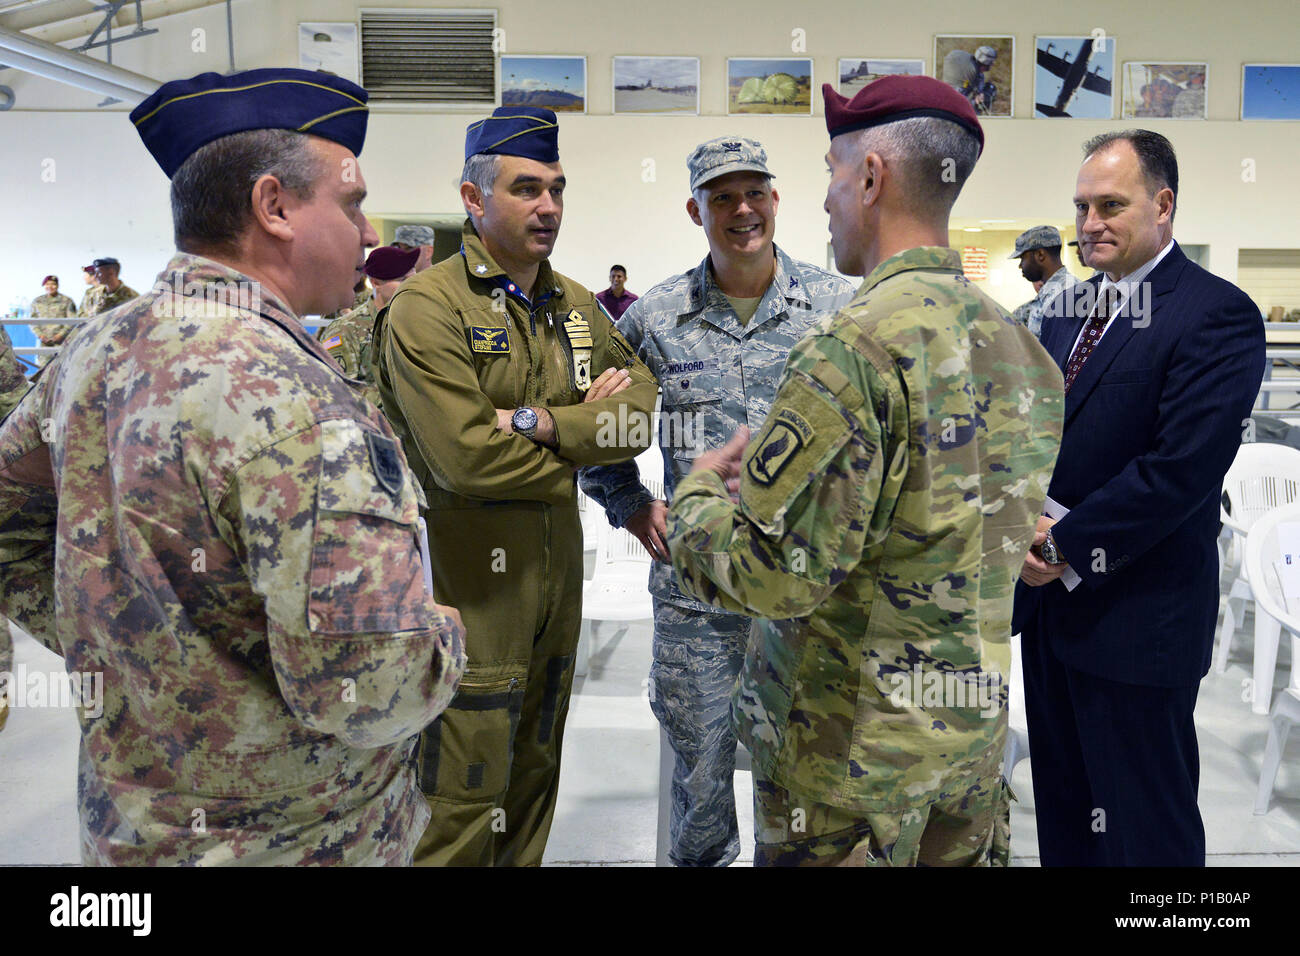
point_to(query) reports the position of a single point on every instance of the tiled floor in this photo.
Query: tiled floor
(607, 810)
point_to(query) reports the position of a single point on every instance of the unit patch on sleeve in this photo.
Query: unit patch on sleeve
(786, 434)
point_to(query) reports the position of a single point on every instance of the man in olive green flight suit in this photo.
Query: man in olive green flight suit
(503, 377)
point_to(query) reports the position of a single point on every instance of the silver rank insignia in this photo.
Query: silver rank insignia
(578, 331)
(480, 268)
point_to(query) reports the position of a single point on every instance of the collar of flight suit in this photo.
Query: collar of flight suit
(704, 295)
(480, 265)
(922, 258)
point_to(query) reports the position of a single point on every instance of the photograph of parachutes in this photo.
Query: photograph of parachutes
(775, 85)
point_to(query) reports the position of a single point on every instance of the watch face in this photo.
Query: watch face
(523, 420)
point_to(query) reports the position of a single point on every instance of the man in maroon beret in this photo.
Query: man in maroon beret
(884, 510)
(348, 337)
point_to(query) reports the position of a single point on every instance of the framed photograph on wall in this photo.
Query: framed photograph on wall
(1074, 77)
(1165, 90)
(330, 48)
(1270, 91)
(980, 68)
(781, 85)
(557, 83)
(657, 85)
(859, 71)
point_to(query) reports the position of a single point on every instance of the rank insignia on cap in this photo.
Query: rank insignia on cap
(787, 435)
(489, 339)
(384, 461)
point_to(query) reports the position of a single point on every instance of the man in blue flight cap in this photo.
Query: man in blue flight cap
(505, 376)
(234, 527)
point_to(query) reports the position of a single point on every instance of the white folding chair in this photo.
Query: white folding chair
(1262, 551)
(1263, 476)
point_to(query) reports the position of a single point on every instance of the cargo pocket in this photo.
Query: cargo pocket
(553, 693)
(465, 754)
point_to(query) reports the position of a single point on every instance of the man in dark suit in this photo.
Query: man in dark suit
(1118, 598)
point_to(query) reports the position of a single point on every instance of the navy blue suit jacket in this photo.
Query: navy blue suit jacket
(1152, 423)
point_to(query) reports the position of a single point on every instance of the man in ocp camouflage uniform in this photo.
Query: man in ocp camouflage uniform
(52, 305)
(884, 510)
(230, 539)
(1039, 252)
(109, 292)
(716, 338)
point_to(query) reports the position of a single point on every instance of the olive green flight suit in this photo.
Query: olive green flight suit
(457, 342)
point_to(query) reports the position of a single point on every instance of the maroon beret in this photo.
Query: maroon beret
(893, 98)
(388, 262)
(49, 278)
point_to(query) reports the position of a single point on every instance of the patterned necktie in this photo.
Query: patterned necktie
(1091, 334)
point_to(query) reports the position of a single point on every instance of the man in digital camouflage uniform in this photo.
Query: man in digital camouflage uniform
(231, 539)
(349, 338)
(413, 238)
(13, 385)
(503, 377)
(1039, 252)
(52, 305)
(109, 291)
(884, 510)
(717, 338)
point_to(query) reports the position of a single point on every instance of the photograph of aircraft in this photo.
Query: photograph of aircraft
(1074, 77)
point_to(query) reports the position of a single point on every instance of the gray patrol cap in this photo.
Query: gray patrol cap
(726, 154)
(414, 235)
(1039, 237)
(986, 55)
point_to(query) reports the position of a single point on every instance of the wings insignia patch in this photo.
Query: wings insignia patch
(488, 339)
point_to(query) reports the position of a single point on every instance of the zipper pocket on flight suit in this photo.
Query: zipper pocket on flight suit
(462, 754)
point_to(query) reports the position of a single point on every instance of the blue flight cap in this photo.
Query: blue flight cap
(184, 115)
(528, 131)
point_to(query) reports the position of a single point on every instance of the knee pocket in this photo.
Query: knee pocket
(465, 755)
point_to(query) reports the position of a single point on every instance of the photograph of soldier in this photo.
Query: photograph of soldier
(235, 533)
(716, 337)
(501, 375)
(979, 68)
(775, 85)
(1074, 77)
(1168, 90)
(892, 453)
(857, 72)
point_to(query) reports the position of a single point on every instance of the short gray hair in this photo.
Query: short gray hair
(481, 170)
(212, 191)
(934, 158)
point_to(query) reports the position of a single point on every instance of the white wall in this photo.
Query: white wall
(108, 198)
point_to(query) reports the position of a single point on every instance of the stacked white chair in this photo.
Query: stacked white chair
(1264, 476)
(619, 588)
(1262, 551)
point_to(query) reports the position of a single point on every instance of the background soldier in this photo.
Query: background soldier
(52, 305)
(490, 366)
(235, 533)
(894, 453)
(717, 338)
(419, 239)
(1039, 252)
(13, 384)
(348, 337)
(109, 291)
